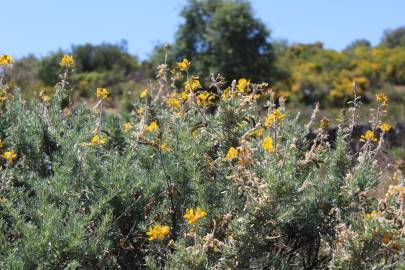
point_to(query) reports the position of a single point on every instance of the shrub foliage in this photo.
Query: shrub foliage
(190, 180)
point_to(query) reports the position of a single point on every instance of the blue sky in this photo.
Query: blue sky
(41, 26)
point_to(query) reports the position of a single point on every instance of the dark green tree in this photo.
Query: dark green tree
(394, 38)
(104, 57)
(223, 36)
(88, 58)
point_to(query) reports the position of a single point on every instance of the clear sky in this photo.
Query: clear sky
(41, 26)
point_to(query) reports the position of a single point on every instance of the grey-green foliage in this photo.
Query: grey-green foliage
(68, 204)
(64, 202)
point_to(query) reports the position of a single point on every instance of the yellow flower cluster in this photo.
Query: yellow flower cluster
(144, 93)
(205, 99)
(6, 60)
(324, 123)
(232, 154)
(191, 85)
(184, 65)
(102, 93)
(368, 136)
(258, 133)
(45, 99)
(165, 147)
(67, 61)
(268, 144)
(374, 214)
(382, 98)
(275, 117)
(242, 85)
(98, 140)
(193, 217)
(158, 232)
(151, 127)
(126, 127)
(174, 101)
(385, 127)
(226, 94)
(9, 155)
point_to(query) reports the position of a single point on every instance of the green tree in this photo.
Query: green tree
(24, 73)
(88, 58)
(104, 57)
(224, 36)
(49, 68)
(394, 38)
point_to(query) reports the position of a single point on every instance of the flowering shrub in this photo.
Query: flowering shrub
(317, 74)
(190, 181)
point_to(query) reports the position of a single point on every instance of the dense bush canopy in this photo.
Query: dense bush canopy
(190, 180)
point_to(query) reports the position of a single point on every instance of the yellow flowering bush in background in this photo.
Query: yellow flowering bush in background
(316, 74)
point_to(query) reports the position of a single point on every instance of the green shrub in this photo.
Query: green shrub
(85, 187)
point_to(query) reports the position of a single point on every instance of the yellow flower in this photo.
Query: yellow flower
(274, 117)
(9, 155)
(258, 133)
(6, 60)
(158, 232)
(141, 110)
(45, 99)
(381, 98)
(205, 99)
(173, 101)
(226, 94)
(183, 65)
(374, 214)
(184, 95)
(268, 144)
(126, 127)
(200, 213)
(144, 93)
(368, 136)
(232, 154)
(102, 93)
(193, 217)
(242, 85)
(96, 140)
(385, 127)
(241, 125)
(191, 85)
(189, 215)
(152, 127)
(67, 61)
(165, 147)
(324, 123)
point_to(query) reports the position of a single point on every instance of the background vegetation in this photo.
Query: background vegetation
(225, 37)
